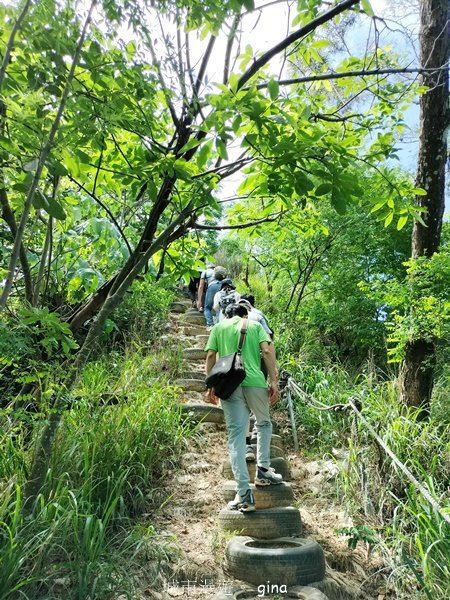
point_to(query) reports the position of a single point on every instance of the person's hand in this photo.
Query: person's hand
(211, 398)
(199, 305)
(274, 394)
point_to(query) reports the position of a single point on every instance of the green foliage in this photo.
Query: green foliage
(358, 533)
(52, 334)
(421, 303)
(143, 313)
(109, 471)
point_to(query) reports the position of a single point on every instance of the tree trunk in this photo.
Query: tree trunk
(416, 376)
(417, 379)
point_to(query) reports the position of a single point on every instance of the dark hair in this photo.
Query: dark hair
(235, 310)
(249, 297)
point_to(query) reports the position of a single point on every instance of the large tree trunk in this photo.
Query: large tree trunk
(417, 371)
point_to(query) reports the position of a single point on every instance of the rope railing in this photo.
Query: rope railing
(355, 405)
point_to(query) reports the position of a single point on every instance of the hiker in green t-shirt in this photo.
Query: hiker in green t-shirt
(252, 395)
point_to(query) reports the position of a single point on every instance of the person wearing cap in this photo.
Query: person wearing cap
(227, 295)
(212, 289)
(252, 395)
(264, 322)
(254, 315)
(206, 277)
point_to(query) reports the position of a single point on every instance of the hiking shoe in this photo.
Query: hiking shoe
(244, 504)
(209, 327)
(268, 477)
(249, 454)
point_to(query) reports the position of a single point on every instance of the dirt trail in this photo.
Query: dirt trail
(191, 515)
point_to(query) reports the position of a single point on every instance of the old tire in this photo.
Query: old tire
(281, 561)
(269, 496)
(203, 413)
(279, 464)
(299, 592)
(263, 524)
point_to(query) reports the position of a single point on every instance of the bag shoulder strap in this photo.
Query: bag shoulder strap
(242, 336)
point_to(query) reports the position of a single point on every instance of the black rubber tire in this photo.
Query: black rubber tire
(204, 413)
(297, 562)
(270, 523)
(299, 592)
(269, 496)
(279, 464)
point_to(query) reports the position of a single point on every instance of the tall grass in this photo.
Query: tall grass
(85, 537)
(415, 537)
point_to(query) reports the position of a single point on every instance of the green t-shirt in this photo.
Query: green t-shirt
(224, 339)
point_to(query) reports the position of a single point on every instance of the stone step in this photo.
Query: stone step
(194, 319)
(192, 330)
(191, 385)
(193, 373)
(194, 354)
(178, 307)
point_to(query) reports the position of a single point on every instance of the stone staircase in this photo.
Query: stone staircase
(267, 550)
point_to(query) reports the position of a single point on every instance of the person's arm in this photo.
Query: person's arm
(268, 354)
(201, 287)
(211, 358)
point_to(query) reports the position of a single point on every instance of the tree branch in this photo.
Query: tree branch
(344, 74)
(241, 226)
(290, 39)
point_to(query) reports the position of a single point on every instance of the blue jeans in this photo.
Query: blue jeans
(237, 411)
(207, 311)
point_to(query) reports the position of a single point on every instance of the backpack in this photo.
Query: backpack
(226, 299)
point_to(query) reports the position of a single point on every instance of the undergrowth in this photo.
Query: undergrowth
(414, 535)
(90, 532)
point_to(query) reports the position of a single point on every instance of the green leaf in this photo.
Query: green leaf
(378, 205)
(221, 149)
(323, 189)
(402, 222)
(193, 143)
(203, 154)
(338, 201)
(367, 8)
(55, 209)
(249, 4)
(40, 202)
(152, 190)
(57, 168)
(273, 88)
(388, 219)
(419, 191)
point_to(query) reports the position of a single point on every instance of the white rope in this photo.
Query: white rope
(437, 507)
